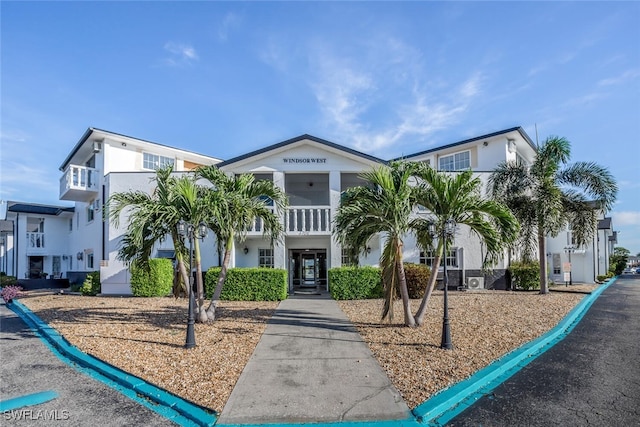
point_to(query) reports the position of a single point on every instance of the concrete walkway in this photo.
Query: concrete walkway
(312, 366)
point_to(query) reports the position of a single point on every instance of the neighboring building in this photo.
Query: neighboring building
(42, 245)
(313, 173)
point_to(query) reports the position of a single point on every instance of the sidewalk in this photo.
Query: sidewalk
(312, 366)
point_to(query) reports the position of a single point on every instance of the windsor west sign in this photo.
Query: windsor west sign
(304, 160)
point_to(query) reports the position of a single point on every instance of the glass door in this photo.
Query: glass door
(309, 270)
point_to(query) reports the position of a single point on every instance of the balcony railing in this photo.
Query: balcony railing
(308, 220)
(79, 183)
(35, 241)
(301, 220)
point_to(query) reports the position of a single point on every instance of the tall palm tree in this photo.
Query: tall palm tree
(384, 206)
(151, 217)
(550, 195)
(458, 197)
(235, 203)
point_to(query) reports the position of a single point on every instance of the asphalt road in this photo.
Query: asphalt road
(27, 366)
(591, 378)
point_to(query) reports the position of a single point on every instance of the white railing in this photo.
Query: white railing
(301, 220)
(308, 220)
(79, 178)
(35, 240)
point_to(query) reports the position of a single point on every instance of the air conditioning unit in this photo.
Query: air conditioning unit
(97, 146)
(475, 282)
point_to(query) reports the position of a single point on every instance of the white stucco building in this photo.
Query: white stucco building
(312, 172)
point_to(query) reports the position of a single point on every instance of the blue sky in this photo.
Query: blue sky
(386, 78)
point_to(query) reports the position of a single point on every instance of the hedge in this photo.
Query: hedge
(91, 284)
(157, 281)
(417, 276)
(249, 284)
(355, 283)
(525, 276)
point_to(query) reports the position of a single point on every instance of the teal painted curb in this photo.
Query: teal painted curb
(27, 400)
(450, 402)
(168, 405)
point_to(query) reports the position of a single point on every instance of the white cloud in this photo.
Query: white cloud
(180, 53)
(230, 21)
(622, 78)
(626, 218)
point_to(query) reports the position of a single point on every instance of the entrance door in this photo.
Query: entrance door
(308, 268)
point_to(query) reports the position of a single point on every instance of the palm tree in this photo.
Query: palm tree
(235, 202)
(550, 195)
(384, 206)
(151, 217)
(458, 197)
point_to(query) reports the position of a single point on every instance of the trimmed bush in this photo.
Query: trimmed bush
(525, 276)
(7, 280)
(348, 283)
(156, 281)
(417, 276)
(249, 284)
(91, 285)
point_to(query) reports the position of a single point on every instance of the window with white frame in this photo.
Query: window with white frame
(90, 260)
(265, 258)
(346, 259)
(71, 224)
(90, 213)
(455, 162)
(556, 264)
(154, 161)
(427, 258)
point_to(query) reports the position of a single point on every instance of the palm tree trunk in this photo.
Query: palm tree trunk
(542, 256)
(211, 310)
(404, 293)
(201, 314)
(422, 310)
(182, 272)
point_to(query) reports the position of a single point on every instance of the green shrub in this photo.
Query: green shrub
(91, 285)
(154, 281)
(8, 280)
(417, 276)
(602, 278)
(347, 283)
(525, 276)
(249, 284)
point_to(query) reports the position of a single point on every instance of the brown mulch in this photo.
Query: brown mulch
(145, 336)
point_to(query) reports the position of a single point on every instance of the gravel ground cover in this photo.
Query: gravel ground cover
(145, 336)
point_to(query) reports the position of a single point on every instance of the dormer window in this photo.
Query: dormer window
(455, 162)
(155, 162)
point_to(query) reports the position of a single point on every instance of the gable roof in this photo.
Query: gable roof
(474, 139)
(292, 141)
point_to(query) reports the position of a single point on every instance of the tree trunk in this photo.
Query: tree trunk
(422, 310)
(211, 310)
(201, 313)
(542, 256)
(404, 293)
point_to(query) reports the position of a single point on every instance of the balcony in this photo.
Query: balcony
(301, 220)
(79, 184)
(35, 243)
(307, 220)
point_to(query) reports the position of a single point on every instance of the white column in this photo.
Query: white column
(279, 247)
(334, 202)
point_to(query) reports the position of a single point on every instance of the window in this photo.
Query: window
(90, 260)
(428, 256)
(153, 161)
(71, 224)
(346, 259)
(265, 258)
(56, 266)
(455, 162)
(90, 213)
(556, 264)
